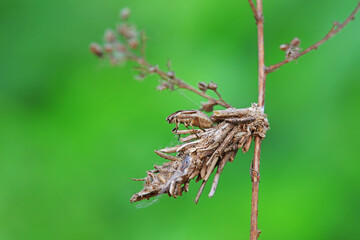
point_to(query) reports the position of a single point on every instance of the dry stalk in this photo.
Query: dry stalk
(291, 54)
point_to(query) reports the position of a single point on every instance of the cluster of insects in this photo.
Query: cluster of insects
(210, 142)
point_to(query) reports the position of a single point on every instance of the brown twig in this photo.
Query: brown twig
(253, 8)
(255, 173)
(334, 30)
(170, 76)
(263, 71)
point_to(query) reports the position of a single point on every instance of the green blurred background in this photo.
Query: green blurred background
(74, 130)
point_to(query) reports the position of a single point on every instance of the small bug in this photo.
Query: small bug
(193, 118)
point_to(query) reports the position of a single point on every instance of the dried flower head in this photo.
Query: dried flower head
(212, 86)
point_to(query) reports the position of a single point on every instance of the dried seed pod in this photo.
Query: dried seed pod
(125, 13)
(110, 36)
(96, 49)
(122, 29)
(212, 86)
(284, 47)
(295, 42)
(171, 74)
(153, 69)
(164, 85)
(108, 48)
(133, 43)
(202, 86)
(127, 31)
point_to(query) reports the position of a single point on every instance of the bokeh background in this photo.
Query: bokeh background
(74, 129)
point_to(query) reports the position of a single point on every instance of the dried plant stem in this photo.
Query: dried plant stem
(253, 8)
(178, 82)
(337, 27)
(263, 71)
(255, 178)
(255, 173)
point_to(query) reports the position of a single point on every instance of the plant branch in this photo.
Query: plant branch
(255, 172)
(334, 30)
(253, 8)
(170, 76)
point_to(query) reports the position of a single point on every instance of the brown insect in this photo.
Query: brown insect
(193, 118)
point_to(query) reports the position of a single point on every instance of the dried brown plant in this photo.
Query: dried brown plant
(212, 141)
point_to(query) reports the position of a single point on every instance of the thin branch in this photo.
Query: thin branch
(170, 76)
(334, 30)
(253, 8)
(255, 173)
(255, 178)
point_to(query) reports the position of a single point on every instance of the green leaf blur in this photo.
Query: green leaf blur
(74, 130)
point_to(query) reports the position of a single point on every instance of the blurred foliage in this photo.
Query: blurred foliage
(74, 130)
